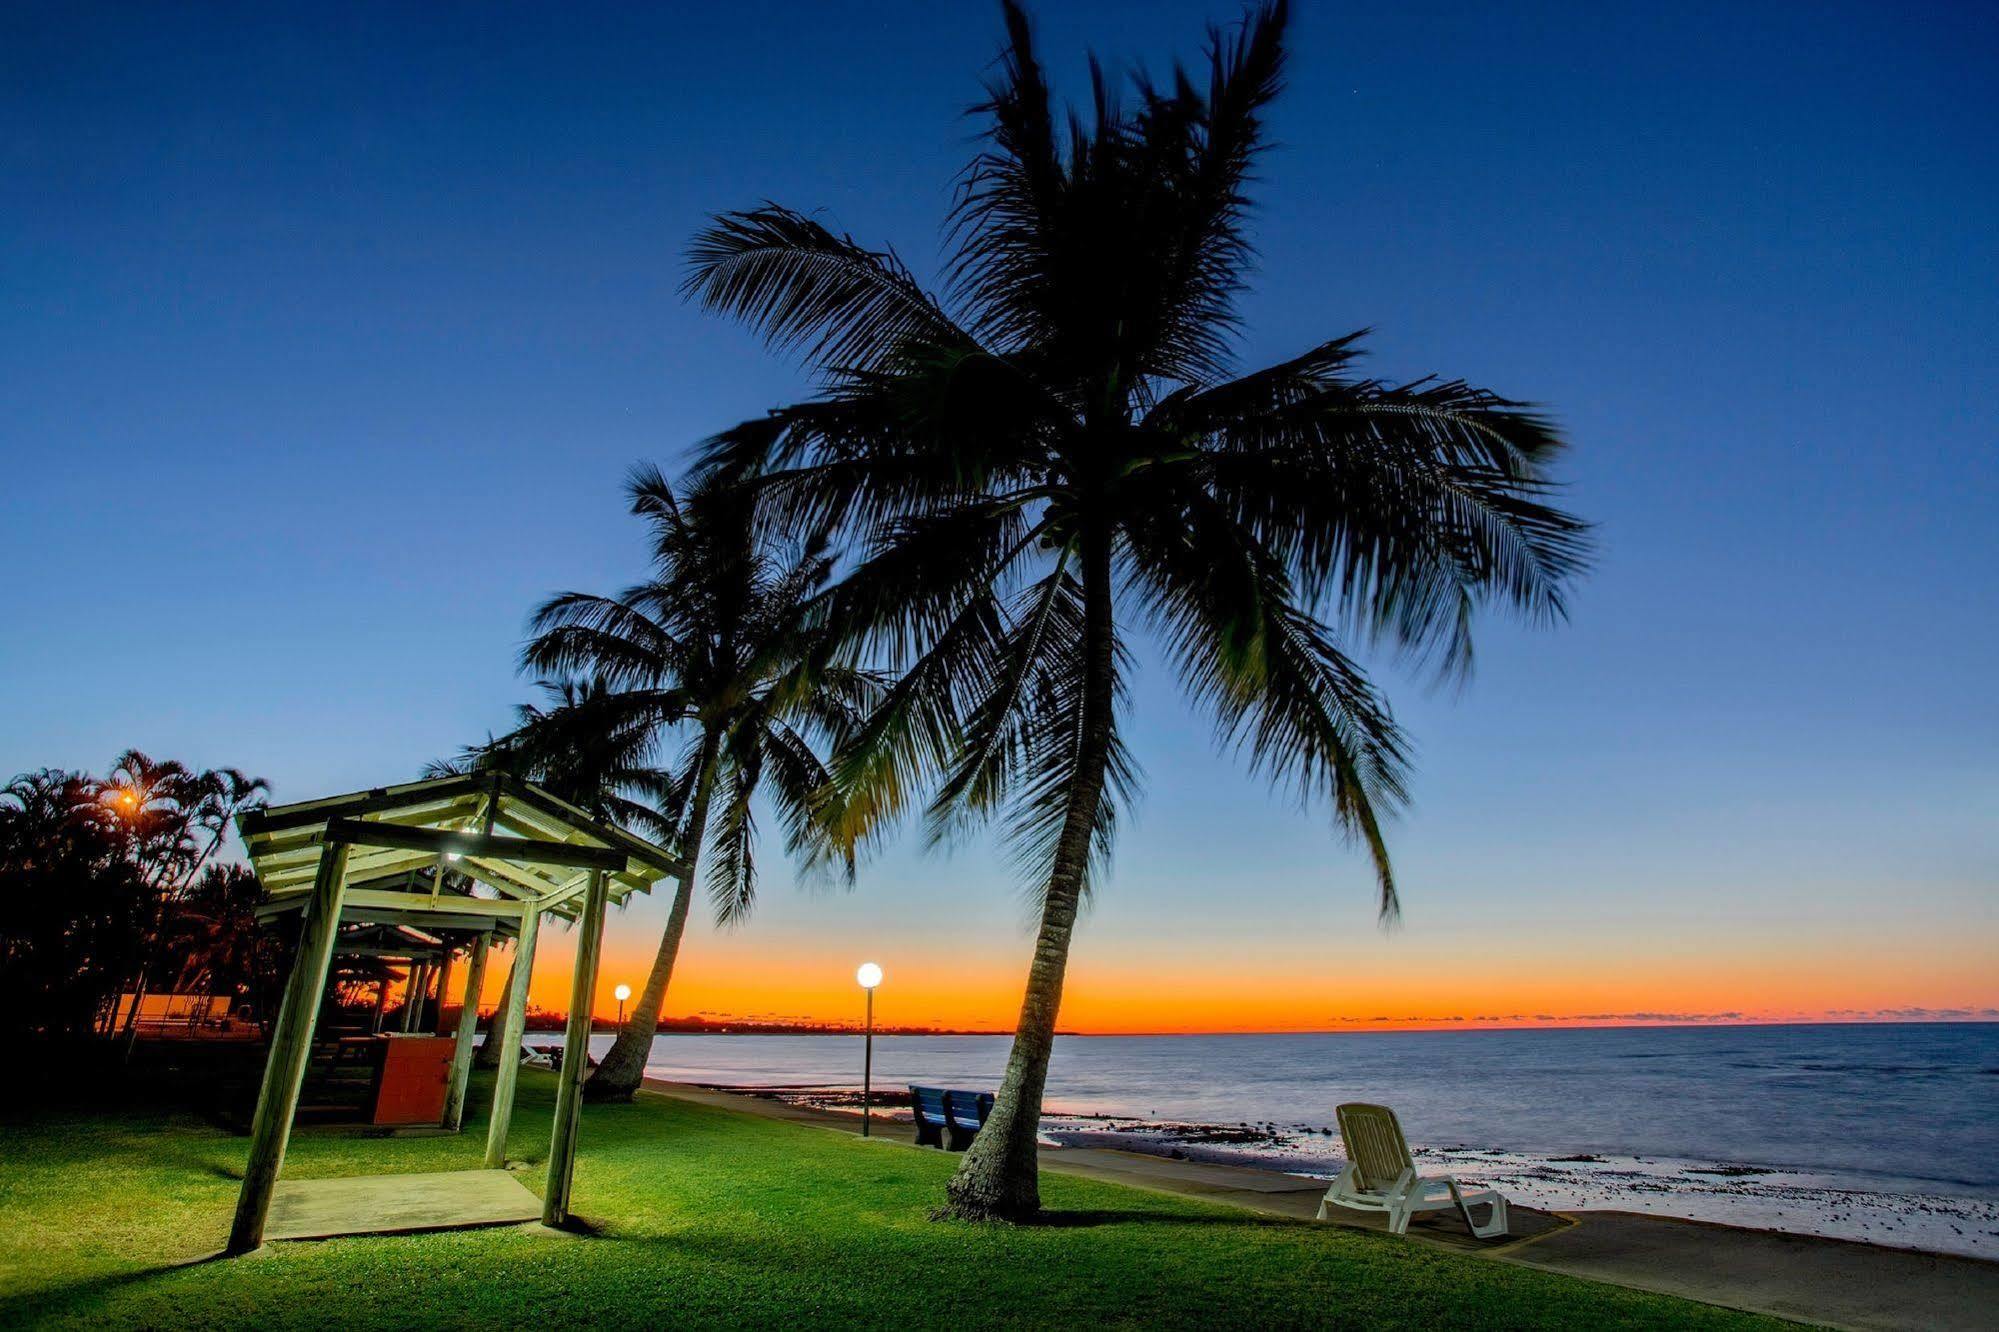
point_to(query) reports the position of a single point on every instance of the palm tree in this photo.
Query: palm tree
(1062, 450)
(595, 748)
(720, 645)
(76, 904)
(177, 818)
(219, 944)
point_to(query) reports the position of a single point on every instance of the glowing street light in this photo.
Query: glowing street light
(623, 992)
(869, 975)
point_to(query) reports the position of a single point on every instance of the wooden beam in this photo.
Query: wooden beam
(260, 821)
(522, 819)
(575, 1056)
(510, 1044)
(364, 865)
(436, 920)
(293, 842)
(468, 1026)
(564, 892)
(511, 879)
(447, 908)
(638, 847)
(384, 950)
(522, 850)
(291, 1047)
(494, 780)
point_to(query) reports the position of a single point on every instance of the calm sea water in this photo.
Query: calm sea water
(1890, 1108)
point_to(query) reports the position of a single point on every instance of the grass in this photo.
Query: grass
(711, 1218)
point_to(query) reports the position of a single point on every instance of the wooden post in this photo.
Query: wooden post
(381, 1002)
(413, 994)
(509, 1037)
(575, 1055)
(443, 985)
(291, 1047)
(468, 1024)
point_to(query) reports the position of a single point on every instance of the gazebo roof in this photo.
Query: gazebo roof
(508, 847)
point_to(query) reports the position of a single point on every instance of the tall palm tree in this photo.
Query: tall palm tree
(1062, 450)
(593, 746)
(721, 646)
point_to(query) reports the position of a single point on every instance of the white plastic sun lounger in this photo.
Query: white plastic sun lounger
(1381, 1177)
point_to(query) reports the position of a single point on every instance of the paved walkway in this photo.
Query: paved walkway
(1832, 1282)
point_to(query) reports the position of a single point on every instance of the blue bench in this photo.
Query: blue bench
(948, 1118)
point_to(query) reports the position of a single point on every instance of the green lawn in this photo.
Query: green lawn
(706, 1217)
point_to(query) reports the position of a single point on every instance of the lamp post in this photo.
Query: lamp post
(623, 992)
(869, 976)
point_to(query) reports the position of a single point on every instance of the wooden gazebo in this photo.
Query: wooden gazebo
(504, 855)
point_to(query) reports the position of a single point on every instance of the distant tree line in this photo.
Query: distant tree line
(111, 886)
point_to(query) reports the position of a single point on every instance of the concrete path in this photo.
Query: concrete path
(1831, 1282)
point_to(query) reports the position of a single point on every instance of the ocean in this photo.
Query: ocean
(1888, 1133)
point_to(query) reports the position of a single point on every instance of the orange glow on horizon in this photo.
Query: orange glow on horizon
(732, 979)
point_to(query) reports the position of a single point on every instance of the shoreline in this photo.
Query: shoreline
(1799, 1278)
(1747, 1195)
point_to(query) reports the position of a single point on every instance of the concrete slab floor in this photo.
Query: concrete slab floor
(397, 1204)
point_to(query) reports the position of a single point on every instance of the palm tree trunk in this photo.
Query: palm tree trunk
(999, 1179)
(150, 945)
(148, 950)
(624, 1068)
(487, 1055)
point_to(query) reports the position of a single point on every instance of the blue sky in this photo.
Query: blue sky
(326, 336)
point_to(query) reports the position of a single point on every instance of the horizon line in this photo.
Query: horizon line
(1361, 1029)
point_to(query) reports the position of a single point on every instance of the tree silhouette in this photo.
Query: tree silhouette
(1062, 451)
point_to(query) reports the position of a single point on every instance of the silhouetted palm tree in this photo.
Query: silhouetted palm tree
(596, 749)
(1063, 450)
(218, 944)
(717, 647)
(76, 905)
(595, 746)
(177, 819)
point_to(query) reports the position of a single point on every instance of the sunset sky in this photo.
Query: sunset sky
(325, 343)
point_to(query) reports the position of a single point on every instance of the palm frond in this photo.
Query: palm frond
(732, 831)
(1405, 507)
(806, 289)
(1281, 690)
(1049, 766)
(999, 731)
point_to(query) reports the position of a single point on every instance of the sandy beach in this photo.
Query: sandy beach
(1728, 1193)
(1763, 1198)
